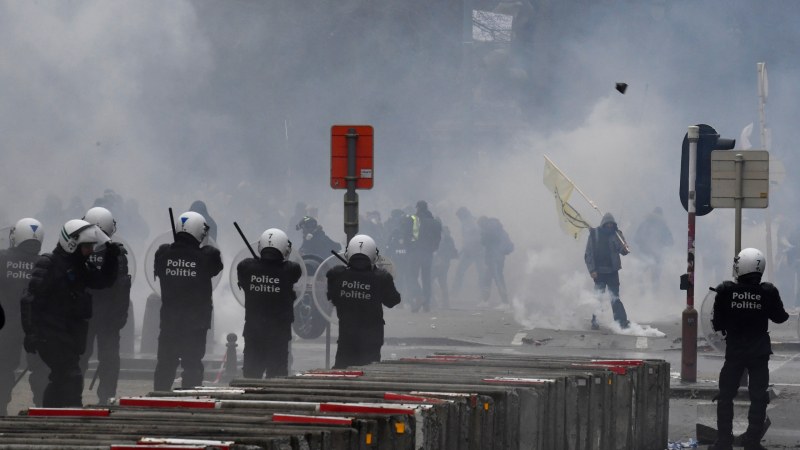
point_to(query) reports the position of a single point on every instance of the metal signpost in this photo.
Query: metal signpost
(351, 169)
(689, 315)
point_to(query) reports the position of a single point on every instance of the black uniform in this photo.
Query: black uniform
(359, 292)
(184, 270)
(317, 243)
(55, 317)
(742, 311)
(17, 263)
(109, 315)
(398, 248)
(269, 312)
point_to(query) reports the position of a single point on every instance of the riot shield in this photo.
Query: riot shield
(5, 237)
(714, 338)
(299, 287)
(150, 259)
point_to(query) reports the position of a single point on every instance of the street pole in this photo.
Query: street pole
(350, 215)
(737, 202)
(762, 100)
(689, 316)
(351, 196)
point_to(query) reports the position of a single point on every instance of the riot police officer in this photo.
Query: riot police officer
(57, 307)
(109, 312)
(359, 291)
(25, 241)
(742, 311)
(185, 270)
(269, 298)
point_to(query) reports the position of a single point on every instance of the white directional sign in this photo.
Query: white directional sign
(740, 174)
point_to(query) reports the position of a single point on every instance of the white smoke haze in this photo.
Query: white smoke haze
(232, 102)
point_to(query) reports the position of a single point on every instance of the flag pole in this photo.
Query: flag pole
(575, 185)
(619, 235)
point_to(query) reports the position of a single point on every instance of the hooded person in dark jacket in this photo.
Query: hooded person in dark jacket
(185, 269)
(359, 291)
(268, 284)
(603, 249)
(742, 311)
(57, 307)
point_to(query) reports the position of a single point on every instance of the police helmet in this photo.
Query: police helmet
(361, 244)
(102, 218)
(76, 232)
(26, 229)
(277, 239)
(749, 260)
(194, 224)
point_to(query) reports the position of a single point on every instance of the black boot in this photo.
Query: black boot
(751, 440)
(722, 443)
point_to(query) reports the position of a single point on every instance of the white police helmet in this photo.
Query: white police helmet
(749, 260)
(194, 224)
(26, 229)
(277, 239)
(103, 219)
(77, 232)
(361, 244)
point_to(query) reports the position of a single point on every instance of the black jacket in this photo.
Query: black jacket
(57, 306)
(742, 311)
(18, 263)
(268, 285)
(110, 306)
(185, 270)
(359, 293)
(319, 244)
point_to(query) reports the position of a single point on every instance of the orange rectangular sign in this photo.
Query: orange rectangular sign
(363, 137)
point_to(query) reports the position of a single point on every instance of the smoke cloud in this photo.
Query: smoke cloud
(232, 102)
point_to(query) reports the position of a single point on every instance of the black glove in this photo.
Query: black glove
(113, 249)
(30, 343)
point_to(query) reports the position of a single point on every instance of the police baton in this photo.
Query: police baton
(246, 242)
(172, 222)
(340, 258)
(27, 369)
(94, 378)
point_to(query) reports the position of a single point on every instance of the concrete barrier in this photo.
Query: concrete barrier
(441, 402)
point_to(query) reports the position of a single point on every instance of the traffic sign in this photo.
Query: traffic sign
(362, 135)
(751, 185)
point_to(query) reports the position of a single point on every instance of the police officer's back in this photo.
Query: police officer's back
(25, 241)
(268, 284)
(359, 291)
(185, 270)
(742, 311)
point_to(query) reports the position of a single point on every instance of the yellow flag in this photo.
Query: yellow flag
(569, 219)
